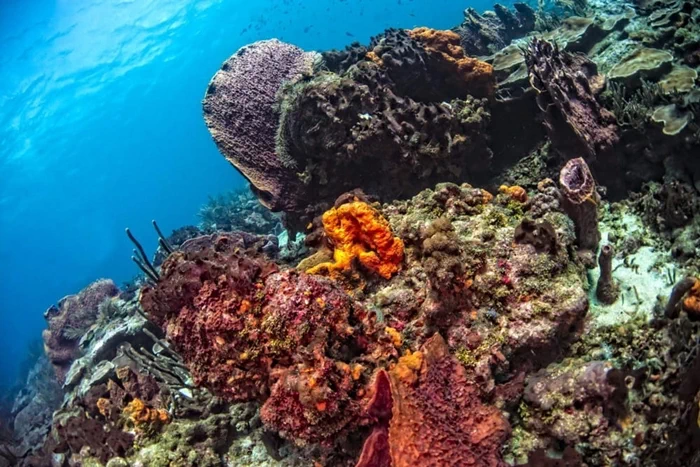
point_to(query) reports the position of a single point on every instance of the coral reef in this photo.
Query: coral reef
(69, 319)
(33, 408)
(551, 317)
(238, 325)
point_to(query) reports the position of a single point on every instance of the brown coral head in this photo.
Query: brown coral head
(576, 181)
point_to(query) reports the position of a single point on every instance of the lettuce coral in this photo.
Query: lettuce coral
(357, 230)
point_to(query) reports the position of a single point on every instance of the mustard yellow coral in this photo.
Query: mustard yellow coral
(357, 230)
(144, 417)
(516, 192)
(407, 367)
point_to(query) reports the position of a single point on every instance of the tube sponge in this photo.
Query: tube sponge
(580, 201)
(357, 230)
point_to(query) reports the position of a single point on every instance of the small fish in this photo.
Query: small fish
(349, 34)
(308, 28)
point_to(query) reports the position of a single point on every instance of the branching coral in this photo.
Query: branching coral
(357, 230)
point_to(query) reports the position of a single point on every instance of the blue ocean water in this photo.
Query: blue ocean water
(101, 127)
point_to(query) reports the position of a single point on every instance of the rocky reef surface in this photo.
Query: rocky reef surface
(469, 247)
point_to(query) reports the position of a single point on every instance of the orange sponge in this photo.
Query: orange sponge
(357, 230)
(691, 304)
(474, 75)
(516, 192)
(144, 417)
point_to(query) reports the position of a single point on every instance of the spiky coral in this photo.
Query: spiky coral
(357, 230)
(466, 75)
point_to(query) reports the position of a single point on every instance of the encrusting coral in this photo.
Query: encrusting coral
(357, 230)
(516, 192)
(145, 418)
